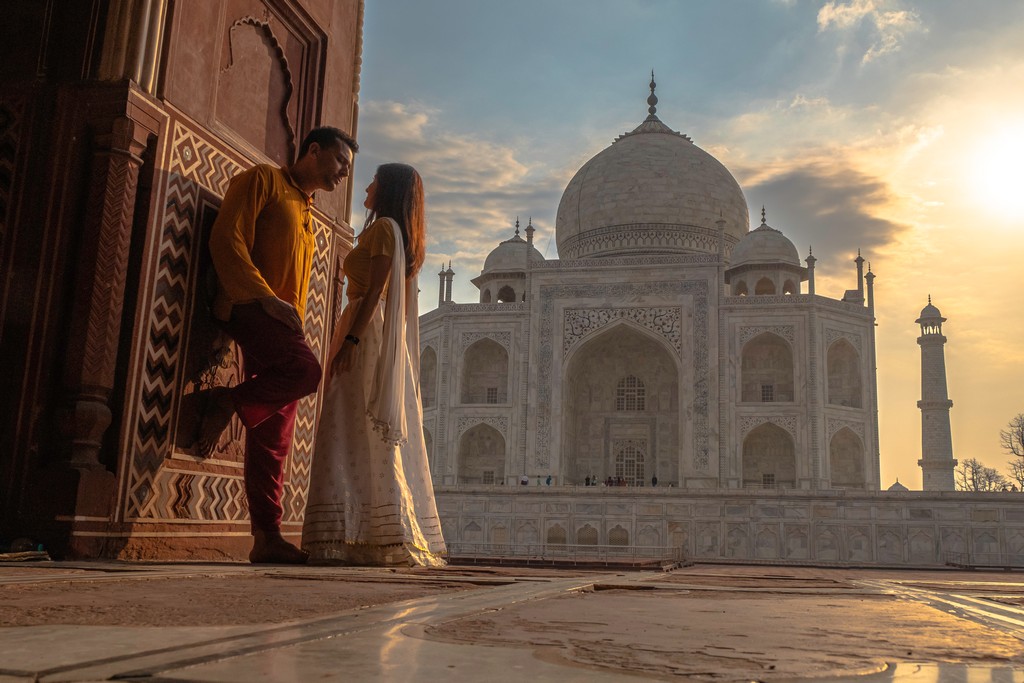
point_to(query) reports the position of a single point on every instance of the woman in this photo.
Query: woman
(371, 500)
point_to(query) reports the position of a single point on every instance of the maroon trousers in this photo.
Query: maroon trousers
(279, 369)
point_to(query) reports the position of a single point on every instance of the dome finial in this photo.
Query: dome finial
(653, 99)
(517, 225)
(764, 219)
(929, 299)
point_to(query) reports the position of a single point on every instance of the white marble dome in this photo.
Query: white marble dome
(764, 245)
(651, 192)
(512, 255)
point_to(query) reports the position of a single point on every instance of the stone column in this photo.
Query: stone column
(98, 303)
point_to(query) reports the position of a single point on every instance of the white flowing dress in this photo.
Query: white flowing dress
(371, 498)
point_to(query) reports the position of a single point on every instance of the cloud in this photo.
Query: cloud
(884, 28)
(829, 204)
(475, 187)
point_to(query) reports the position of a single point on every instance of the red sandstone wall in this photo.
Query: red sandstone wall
(106, 230)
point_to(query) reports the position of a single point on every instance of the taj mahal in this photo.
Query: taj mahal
(669, 341)
(688, 360)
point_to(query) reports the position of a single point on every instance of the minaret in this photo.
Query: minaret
(449, 276)
(810, 269)
(937, 463)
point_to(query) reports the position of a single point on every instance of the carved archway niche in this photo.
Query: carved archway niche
(256, 87)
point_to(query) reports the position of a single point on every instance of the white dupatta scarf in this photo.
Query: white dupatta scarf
(400, 344)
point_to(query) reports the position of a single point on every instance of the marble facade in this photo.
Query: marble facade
(850, 528)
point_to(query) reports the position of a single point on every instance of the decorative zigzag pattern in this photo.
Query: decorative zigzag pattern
(151, 441)
(155, 492)
(317, 309)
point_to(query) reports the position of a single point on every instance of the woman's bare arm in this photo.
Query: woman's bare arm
(380, 271)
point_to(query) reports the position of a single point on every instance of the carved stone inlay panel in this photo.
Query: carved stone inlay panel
(749, 422)
(832, 335)
(787, 332)
(697, 289)
(580, 323)
(467, 338)
(834, 425)
(498, 422)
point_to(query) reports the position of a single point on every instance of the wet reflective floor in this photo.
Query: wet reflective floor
(233, 622)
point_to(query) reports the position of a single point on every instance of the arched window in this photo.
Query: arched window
(485, 296)
(769, 458)
(739, 288)
(846, 460)
(629, 462)
(790, 287)
(481, 455)
(630, 394)
(844, 384)
(485, 373)
(766, 370)
(587, 535)
(506, 295)
(428, 377)
(556, 535)
(764, 286)
(618, 536)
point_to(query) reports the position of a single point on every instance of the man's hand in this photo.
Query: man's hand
(281, 310)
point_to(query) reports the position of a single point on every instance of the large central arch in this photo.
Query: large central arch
(621, 391)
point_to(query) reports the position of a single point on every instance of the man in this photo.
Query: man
(262, 246)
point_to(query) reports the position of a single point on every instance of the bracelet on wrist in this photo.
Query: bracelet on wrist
(352, 338)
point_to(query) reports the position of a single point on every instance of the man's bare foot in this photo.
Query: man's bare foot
(271, 548)
(216, 418)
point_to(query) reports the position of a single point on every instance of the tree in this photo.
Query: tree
(1012, 438)
(1012, 441)
(1017, 472)
(972, 475)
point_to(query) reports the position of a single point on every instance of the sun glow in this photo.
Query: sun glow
(997, 173)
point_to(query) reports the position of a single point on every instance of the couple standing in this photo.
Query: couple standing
(371, 499)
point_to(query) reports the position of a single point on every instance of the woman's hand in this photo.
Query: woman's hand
(344, 359)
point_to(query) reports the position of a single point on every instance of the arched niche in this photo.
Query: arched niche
(769, 458)
(846, 460)
(790, 287)
(586, 535)
(506, 295)
(556, 534)
(485, 295)
(766, 368)
(255, 90)
(739, 288)
(591, 422)
(481, 455)
(764, 286)
(428, 377)
(844, 376)
(485, 373)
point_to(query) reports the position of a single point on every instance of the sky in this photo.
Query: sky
(891, 126)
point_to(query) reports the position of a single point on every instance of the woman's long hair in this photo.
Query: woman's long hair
(400, 196)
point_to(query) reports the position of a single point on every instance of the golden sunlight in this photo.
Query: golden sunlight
(997, 173)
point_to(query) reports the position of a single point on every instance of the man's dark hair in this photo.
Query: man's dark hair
(325, 136)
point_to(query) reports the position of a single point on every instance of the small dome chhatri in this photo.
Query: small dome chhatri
(651, 192)
(512, 255)
(766, 245)
(930, 312)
